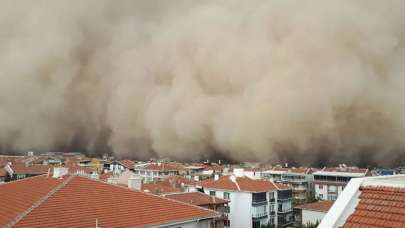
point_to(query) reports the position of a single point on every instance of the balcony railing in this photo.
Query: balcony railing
(259, 214)
(285, 211)
(259, 203)
(284, 199)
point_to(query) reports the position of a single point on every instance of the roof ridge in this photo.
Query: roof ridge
(19, 217)
(236, 183)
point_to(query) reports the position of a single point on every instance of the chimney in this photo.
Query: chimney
(59, 172)
(135, 183)
(216, 177)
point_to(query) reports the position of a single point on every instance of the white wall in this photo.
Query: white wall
(323, 191)
(240, 214)
(312, 216)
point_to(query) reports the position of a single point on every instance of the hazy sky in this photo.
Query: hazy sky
(248, 80)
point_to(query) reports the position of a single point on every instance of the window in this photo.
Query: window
(320, 186)
(227, 195)
(259, 197)
(212, 193)
(332, 197)
(255, 224)
(321, 196)
(227, 209)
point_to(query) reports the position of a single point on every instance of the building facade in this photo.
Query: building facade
(329, 183)
(252, 203)
(299, 179)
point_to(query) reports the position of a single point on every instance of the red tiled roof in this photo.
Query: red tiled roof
(179, 180)
(379, 207)
(161, 167)
(159, 187)
(20, 168)
(322, 206)
(281, 186)
(3, 172)
(105, 176)
(79, 201)
(241, 184)
(127, 164)
(196, 198)
(17, 196)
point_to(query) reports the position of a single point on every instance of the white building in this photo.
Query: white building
(299, 179)
(369, 202)
(155, 171)
(312, 212)
(252, 203)
(330, 182)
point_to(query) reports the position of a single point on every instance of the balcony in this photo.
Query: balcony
(284, 199)
(259, 212)
(295, 180)
(259, 203)
(284, 211)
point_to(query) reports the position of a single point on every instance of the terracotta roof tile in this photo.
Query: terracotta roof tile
(17, 196)
(127, 164)
(3, 172)
(159, 187)
(21, 168)
(196, 198)
(161, 167)
(81, 201)
(241, 184)
(323, 206)
(379, 207)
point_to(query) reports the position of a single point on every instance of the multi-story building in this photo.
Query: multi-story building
(252, 203)
(156, 171)
(330, 182)
(299, 179)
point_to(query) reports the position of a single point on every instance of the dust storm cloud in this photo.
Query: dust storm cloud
(249, 80)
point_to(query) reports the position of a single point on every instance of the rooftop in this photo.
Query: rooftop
(369, 202)
(127, 164)
(379, 207)
(159, 187)
(196, 198)
(161, 167)
(78, 201)
(21, 168)
(322, 206)
(245, 184)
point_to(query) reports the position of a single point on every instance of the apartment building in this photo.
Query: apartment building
(252, 203)
(155, 171)
(330, 182)
(299, 179)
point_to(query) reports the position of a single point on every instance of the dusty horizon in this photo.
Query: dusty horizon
(275, 81)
